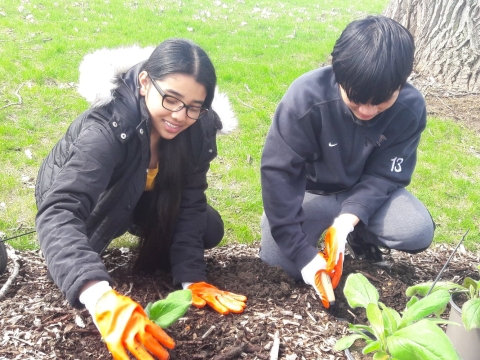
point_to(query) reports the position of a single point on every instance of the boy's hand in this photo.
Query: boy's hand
(223, 302)
(311, 274)
(335, 240)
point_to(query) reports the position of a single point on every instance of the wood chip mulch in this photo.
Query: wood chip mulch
(37, 323)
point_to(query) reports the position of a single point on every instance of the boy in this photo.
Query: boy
(339, 153)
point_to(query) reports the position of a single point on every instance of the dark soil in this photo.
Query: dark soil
(37, 323)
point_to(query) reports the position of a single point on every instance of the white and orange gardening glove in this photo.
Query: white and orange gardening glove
(223, 302)
(335, 240)
(124, 325)
(311, 274)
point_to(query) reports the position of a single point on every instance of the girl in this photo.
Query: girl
(136, 161)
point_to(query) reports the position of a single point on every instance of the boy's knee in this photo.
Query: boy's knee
(419, 239)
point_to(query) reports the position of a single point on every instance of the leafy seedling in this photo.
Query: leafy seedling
(470, 288)
(167, 311)
(389, 335)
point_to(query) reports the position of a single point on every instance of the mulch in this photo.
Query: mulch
(37, 323)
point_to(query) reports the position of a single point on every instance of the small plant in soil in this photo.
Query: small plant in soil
(167, 311)
(469, 290)
(389, 335)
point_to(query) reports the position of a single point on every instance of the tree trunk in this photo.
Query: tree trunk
(447, 39)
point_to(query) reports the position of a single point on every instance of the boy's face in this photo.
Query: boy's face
(367, 112)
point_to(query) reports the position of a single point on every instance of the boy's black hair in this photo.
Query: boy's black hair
(372, 59)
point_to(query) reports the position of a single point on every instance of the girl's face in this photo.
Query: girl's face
(167, 124)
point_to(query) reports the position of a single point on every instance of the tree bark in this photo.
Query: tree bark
(447, 39)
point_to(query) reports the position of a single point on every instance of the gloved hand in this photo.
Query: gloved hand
(223, 302)
(124, 324)
(311, 274)
(335, 240)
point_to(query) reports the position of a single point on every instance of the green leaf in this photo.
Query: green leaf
(471, 314)
(346, 342)
(420, 341)
(442, 321)
(468, 282)
(371, 347)
(165, 312)
(423, 288)
(424, 307)
(380, 356)
(147, 310)
(361, 328)
(412, 301)
(359, 292)
(391, 319)
(375, 318)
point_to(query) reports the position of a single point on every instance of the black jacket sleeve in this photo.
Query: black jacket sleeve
(60, 222)
(187, 250)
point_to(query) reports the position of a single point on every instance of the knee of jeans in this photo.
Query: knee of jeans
(419, 240)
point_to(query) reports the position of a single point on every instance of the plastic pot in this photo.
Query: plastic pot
(467, 343)
(3, 257)
(350, 356)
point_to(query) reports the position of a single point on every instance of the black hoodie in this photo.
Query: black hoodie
(315, 143)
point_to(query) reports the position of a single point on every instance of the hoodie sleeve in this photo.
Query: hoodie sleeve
(387, 169)
(283, 179)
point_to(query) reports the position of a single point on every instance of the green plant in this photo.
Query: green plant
(166, 311)
(470, 288)
(391, 336)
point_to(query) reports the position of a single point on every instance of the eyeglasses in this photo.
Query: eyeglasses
(171, 103)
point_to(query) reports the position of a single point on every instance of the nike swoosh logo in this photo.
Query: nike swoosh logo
(332, 145)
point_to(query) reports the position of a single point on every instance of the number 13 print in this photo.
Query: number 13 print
(396, 164)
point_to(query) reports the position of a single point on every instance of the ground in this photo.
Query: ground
(462, 108)
(37, 323)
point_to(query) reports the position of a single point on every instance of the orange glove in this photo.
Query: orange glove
(311, 274)
(124, 324)
(335, 240)
(223, 302)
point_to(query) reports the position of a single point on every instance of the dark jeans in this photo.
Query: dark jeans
(214, 228)
(402, 223)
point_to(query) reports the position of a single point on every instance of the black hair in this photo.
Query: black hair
(160, 214)
(182, 56)
(373, 58)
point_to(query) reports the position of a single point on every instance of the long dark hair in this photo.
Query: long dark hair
(161, 210)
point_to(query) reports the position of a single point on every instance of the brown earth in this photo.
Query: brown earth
(37, 323)
(463, 108)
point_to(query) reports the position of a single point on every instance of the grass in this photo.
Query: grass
(258, 50)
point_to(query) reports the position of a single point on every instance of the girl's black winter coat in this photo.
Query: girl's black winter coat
(89, 184)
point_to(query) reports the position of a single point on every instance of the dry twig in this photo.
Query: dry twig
(249, 106)
(275, 347)
(19, 102)
(231, 353)
(13, 275)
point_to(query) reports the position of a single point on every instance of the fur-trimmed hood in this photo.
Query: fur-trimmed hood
(99, 70)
